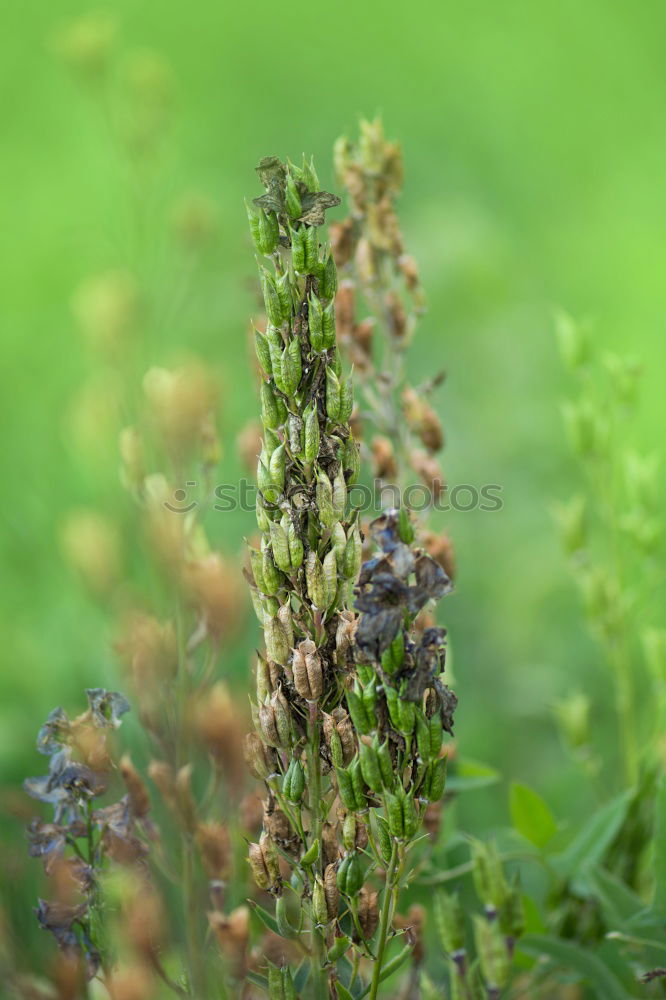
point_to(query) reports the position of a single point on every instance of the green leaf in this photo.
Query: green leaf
(659, 899)
(343, 992)
(618, 901)
(531, 816)
(582, 961)
(257, 980)
(590, 845)
(471, 775)
(266, 918)
(391, 967)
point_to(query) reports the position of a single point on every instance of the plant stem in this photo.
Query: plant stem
(385, 920)
(317, 938)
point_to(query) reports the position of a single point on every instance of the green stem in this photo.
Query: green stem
(385, 920)
(314, 795)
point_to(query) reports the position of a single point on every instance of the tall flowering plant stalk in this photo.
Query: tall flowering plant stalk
(349, 709)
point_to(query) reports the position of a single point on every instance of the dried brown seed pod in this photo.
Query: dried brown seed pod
(215, 847)
(136, 789)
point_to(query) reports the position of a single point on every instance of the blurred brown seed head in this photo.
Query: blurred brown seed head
(341, 235)
(150, 650)
(215, 848)
(440, 547)
(384, 465)
(107, 308)
(162, 775)
(91, 545)
(232, 932)
(429, 472)
(213, 585)
(249, 443)
(134, 982)
(136, 789)
(132, 457)
(144, 920)
(260, 759)
(187, 809)
(180, 404)
(345, 308)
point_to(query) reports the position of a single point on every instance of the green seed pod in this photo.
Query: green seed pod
(293, 782)
(409, 813)
(284, 614)
(351, 460)
(340, 947)
(291, 367)
(269, 233)
(349, 832)
(358, 783)
(328, 283)
(393, 806)
(280, 546)
(309, 173)
(295, 546)
(263, 520)
(324, 496)
(350, 875)
(264, 481)
(369, 696)
(271, 441)
(383, 839)
(256, 559)
(293, 199)
(319, 908)
(277, 467)
(312, 854)
(339, 494)
(288, 985)
(283, 289)
(271, 606)
(328, 326)
(258, 606)
(271, 574)
(336, 362)
(385, 763)
(312, 435)
(295, 427)
(332, 396)
(346, 400)
(253, 220)
(435, 780)
(339, 542)
(488, 875)
(370, 766)
(353, 554)
(449, 921)
(298, 250)
(264, 686)
(277, 642)
(275, 984)
(311, 249)
(492, 951)
(345, 787)
(263, 352)
(316, 581)
(405, 527)
(272, 302)
(275, 351)
(270, 413)
(331, 574)
(315, 323)
(512, 915)
(363, 723)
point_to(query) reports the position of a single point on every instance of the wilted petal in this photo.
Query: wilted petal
(106, 707)
(54, 732)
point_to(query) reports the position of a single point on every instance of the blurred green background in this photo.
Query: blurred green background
(535, 156)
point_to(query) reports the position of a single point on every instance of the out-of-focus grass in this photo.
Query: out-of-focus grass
(535, 157)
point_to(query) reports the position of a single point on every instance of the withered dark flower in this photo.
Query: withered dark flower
(54, 733)
(106, 707)
(47, 841)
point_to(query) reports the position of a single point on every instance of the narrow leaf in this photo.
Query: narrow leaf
(659, 899)
(531, 816)
(590, 845)
(582, 961)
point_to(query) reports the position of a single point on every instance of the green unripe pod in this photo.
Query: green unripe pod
(291, 367)
(363, 722)
(272, 301)
(316, 581)
(319, 908)
(339, 495)
(385, 763)
(351, 460)
(434, 781)
(270, 413)
(339, 542)
(324, 497)
(370, 767)
(450, 921)
(406, 531)
(256, 559)
(283, 289)
(277, 467)
(298, 250)
(316, 323)
(428, 736)
(345, 787)
(263, 520)
(332, 396)
(293, 782)
(312, 435)
(277, 641)
(394, 815)
(285, 930)
(270, 572)
(353, 554)
(492, 951)
(358, 783)
(296, 441)
(263, 352)
(328, 283)
(280, 546)
(340, 947)
(328, 326)
(350, 875)
(295, 546)
(331, 574)
(293, 200)
(312, 854)
(384, 841)
(311, 249)
(346, 400)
